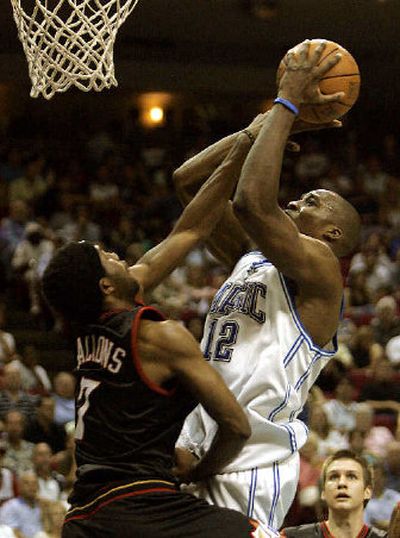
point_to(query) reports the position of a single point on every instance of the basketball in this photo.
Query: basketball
(343, 77)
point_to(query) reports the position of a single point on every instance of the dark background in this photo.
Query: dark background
(218, 53)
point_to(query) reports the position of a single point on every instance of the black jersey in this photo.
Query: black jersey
(320, 530)
(126, 426)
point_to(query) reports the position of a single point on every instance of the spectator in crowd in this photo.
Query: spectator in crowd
(7, 340)
(18, 457)
(341, 410)
(50, 483)
(64, 397)
(64, 462)
(374, 179)
(30, 259)
(366, 352)
(34, 378)
(329, 440)
(381, 391)
(376, 437)
(103, 191)
(81, 227)
(386, 322)
(23, 513)
(53, 514)
(357, 445)
(12, 230)
(346, 488)
(312, 164)
(335, 180)
(377, 267)
(43, 429)
(358, 298)
(379, 509)
(123, 235)
(8, 486)
(307, 495)
(392, 465)
(12, 396)
(392, 351)
(32, 185)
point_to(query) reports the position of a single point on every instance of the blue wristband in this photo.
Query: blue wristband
(287, 104)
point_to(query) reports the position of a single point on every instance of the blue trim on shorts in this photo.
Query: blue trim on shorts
(252, 492)
(277, 491)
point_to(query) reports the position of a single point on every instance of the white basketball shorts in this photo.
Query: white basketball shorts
(264, 493)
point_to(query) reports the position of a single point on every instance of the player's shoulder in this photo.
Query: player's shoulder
(164, 334)
(310, 530)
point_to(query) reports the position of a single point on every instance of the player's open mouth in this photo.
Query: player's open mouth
(342, 496)
(289, 212)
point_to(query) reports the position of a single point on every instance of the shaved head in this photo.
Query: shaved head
(348, 220)
(327, 216)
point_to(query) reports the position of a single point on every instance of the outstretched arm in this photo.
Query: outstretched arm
(196, 222)
(298, 256)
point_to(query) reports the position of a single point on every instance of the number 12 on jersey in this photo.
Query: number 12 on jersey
(219, 341)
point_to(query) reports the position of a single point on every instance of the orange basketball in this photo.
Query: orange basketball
(343, 77)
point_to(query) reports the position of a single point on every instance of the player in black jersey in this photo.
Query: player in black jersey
(138, 377)
(346, 489)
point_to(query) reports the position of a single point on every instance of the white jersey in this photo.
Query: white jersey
(254, 338)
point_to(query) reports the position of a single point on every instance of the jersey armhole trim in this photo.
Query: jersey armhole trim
(136, 359)
(309, 341)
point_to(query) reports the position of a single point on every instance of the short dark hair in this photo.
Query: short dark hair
(348, 455)
(70, 283)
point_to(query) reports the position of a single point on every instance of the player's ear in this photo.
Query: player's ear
(367, 493)
(106, 286)
(332, 234)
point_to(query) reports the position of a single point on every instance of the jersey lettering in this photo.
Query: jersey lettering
(101, 350)
(248, 299)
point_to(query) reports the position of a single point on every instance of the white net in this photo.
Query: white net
(70, 42)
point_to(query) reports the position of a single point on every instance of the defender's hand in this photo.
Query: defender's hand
(301, 126)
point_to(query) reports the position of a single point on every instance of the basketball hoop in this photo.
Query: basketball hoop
(70, 42)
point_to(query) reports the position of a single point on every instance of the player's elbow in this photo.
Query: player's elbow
(241, 206)
(245, 210)
(181, 182)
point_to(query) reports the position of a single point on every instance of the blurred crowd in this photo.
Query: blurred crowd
(115, 188)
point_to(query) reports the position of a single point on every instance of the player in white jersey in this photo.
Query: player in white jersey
(271, 327)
